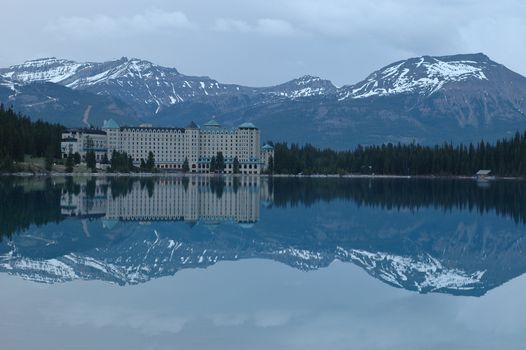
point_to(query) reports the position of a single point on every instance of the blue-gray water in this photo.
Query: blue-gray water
(250, 263)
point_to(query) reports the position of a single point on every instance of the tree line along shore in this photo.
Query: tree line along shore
(28, 146)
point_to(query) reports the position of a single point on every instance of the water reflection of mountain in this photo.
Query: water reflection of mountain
(446, 236)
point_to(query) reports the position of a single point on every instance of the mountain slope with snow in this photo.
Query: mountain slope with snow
(422, 75)
(459, 98)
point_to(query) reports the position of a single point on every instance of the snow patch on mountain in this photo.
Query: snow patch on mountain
(42, 70)
(424, 75)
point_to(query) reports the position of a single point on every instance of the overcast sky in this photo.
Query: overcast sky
(264, 42)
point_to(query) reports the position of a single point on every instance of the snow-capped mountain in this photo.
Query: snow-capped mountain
(459, 98)
(421, 75)
(145, 86)
(305, 86)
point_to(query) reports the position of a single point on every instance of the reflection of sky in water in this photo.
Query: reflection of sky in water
(258, 305)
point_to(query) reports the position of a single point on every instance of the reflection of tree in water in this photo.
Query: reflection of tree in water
(235, 184)
(506, 198)
(25, 203)
(71, 187)
(121, 186)
(217, 185)
(91, 187)
(149, 184)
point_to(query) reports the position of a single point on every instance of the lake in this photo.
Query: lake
(262, 263)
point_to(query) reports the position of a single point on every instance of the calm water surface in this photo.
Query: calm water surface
(250, 263)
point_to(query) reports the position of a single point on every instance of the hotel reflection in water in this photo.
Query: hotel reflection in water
(196, 200)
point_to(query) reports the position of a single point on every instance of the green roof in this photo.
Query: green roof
(247, 125)
(110, 124)
(267, 146)
(212, 123)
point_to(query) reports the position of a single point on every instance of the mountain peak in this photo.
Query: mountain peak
(424, 75)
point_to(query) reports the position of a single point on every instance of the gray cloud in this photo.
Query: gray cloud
(149, 22)
(266, 41)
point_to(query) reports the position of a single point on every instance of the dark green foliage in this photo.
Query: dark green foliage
(220, 162)
(235, 166)
(505, 158)
(91, 161)
(150, 162)
(105, 159)
(69, 163)
(186, 166)
(19, 137)
(120, 162)
(49, 163)
(6, 163)
(213, 164)
(270, 168)
(76, 158)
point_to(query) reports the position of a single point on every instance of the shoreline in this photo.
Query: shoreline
(328, 176)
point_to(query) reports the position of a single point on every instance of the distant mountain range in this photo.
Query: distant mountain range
(458, 98)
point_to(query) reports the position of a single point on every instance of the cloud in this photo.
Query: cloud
(275, 27)
(151, 21)
(231, 25)
(263, 26)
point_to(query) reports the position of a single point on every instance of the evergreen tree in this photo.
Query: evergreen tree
(76, 158)
(105, 159)
(235, 166)
(121, 162)
(220, 162)
(69, 163)
(186, 166)
(6, 163)
(270, 168)
(150, 162)
(129, 164)
(49, 163)
(213, 164)
(91, 161)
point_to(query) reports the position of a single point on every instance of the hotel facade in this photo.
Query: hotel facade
(172, 146)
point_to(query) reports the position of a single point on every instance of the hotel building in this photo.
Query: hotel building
(172, 146)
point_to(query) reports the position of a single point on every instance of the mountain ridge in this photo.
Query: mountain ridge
(425, 99)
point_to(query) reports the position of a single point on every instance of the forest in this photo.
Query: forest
(506, 157)
(19, 136)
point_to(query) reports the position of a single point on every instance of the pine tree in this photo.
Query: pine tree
(186, 166)
(91, 161)
(105, 159)
(213, 164)
(235, 166)
(150, 162)
(220, 162)
(270, 165)
(69, 163)
(76, 158)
